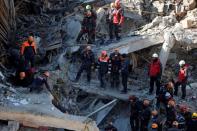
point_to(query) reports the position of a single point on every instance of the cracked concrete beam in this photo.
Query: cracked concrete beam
(39, 111)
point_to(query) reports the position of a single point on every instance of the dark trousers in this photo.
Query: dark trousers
(115, 80)
(143, 125)
(183, 88)
(134, 122)
(111, 29)
(101, 77)
(154, 80)
(117, 30)
(29, 60)
(87, 68)
(124, 80)
(91, 36)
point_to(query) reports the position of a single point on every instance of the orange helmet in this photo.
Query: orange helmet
(103, 53)
(154, 126)
(22, 75)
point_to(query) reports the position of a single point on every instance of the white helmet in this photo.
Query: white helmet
(182, 62)
(155, 55)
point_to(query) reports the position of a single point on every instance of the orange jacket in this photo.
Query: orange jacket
(26, 46)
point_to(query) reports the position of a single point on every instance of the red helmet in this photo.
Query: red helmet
(117, 3)
(104, 52)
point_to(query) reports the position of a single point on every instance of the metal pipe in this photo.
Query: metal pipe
(101, 108)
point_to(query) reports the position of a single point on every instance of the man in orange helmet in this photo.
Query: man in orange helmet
(28, 50)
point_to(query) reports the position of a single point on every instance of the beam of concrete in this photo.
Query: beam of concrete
(132, 44)
(39, 111)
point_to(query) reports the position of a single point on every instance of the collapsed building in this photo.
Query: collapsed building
(78, 106)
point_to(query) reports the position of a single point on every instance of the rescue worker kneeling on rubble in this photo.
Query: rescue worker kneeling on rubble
(102, 66)
(155, 71)
(87, 59)
(28, 50)
(182, 79)
(88, 25)
(39, 82)
(115, 68)
(118, 19)
(24, 79)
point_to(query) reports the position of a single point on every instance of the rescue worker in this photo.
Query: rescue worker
(155, 71)
(28, 50)
(115, 67)
(145, 115)
(125, 72)
(182, 79)
(184, 111)
(24, 79)
(192, 125)
(88, 25)
(118, 19)
(155, 120)
(103, 61)
(109, 20)
(165, 94)
(174, 127)
(87, 59)
(136, 107)
(170, 113)
(39, 83)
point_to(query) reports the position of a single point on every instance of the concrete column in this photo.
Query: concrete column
(169, 41)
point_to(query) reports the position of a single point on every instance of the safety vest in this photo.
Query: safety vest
(118, 17)
(182, 74)
(155, 68)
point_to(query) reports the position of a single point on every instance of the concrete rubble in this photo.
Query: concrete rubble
(154, 28)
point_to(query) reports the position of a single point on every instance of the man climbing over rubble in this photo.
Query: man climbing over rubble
(118, 19)
(155, 71)
(28, 51)
(109, 20)
(88, 25)
(182, 79)
(39, 83)
(125, 72)
(87, 59)
(115, 67)
(102, 66)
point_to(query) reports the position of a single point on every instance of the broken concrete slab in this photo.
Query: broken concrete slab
(41, 112)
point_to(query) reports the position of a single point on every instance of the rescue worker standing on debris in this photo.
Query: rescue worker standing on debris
(125, 72)
(87, 59)
(145, 115)
(118, 19)
(88, 25)
(182, 79)
(39, 83)
(155, 71)
(102, 64)
(136, 107)
(115, 67)
(109, 20)
(28, 50)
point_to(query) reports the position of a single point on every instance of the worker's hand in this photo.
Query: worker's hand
(109, 72)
